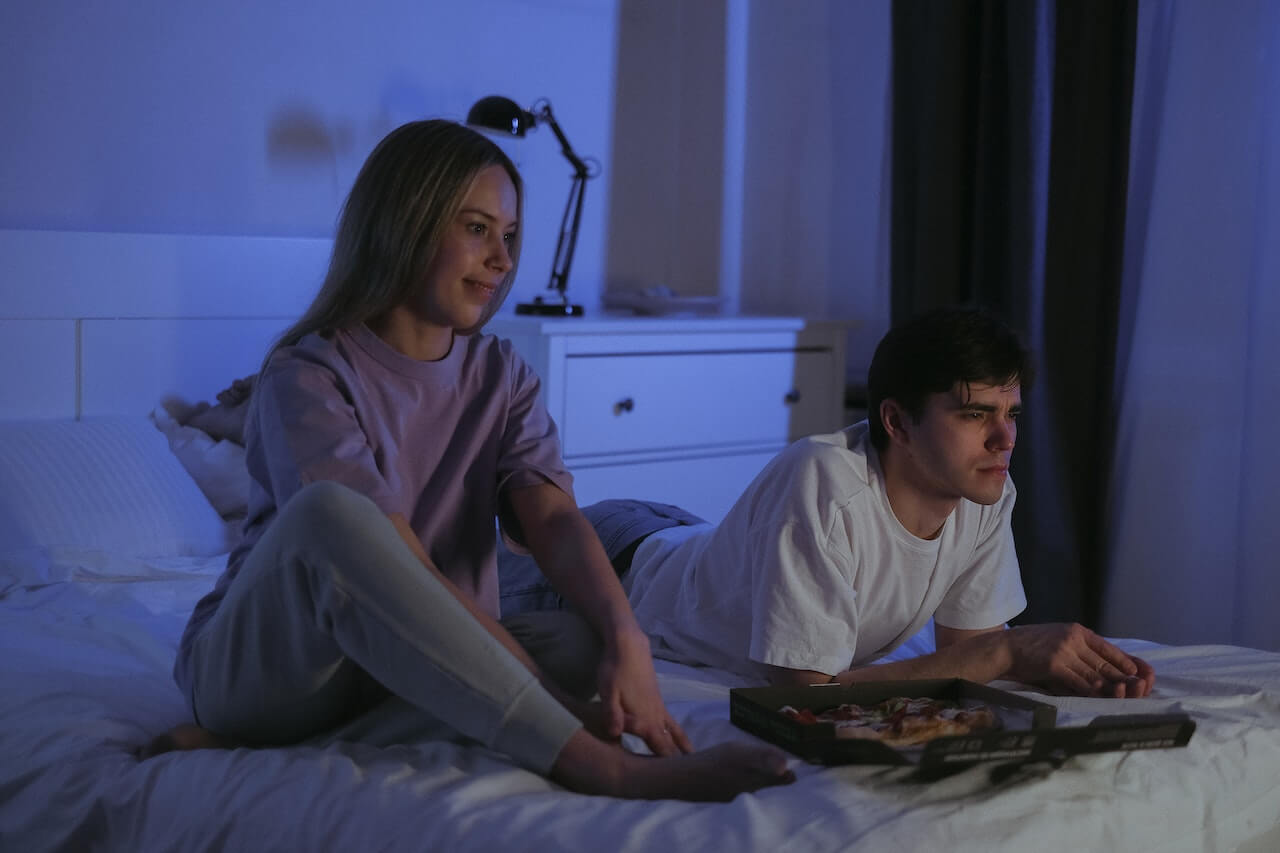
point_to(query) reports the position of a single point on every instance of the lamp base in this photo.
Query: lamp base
(548, 308)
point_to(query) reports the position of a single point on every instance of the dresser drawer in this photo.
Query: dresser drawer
(621, 403)
(706, 486)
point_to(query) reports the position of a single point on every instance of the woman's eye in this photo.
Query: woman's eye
(477, 227)
(509, 238)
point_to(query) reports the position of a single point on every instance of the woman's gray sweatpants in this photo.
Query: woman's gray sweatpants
(331, 610)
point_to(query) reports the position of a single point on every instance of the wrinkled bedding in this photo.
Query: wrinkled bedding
(85, 681)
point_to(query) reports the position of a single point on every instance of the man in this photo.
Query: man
(846, 545)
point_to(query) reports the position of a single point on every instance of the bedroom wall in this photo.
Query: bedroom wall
(750, 157)
(814, 231)
(253, 118)
(716, 125)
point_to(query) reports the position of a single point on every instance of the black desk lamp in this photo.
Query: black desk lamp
(504, 115)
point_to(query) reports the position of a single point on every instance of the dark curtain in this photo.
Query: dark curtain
(963, 232)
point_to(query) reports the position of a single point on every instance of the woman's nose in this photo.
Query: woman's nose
(500, 258)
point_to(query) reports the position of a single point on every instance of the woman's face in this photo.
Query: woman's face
(474, 257)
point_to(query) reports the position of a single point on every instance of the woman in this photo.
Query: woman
(384, 435)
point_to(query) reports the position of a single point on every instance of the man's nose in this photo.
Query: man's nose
(1004, 435)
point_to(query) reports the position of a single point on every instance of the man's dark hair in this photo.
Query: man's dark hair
(931, 352)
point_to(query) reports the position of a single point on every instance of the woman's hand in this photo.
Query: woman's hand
(569, 553)
(630, 698)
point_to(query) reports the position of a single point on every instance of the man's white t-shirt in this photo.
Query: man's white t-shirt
(811, 570)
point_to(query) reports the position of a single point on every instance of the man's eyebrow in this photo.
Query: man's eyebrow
(986, 407)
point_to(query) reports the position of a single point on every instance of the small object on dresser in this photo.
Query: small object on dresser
(659, 299)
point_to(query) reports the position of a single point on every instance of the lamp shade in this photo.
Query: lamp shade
(502, 114)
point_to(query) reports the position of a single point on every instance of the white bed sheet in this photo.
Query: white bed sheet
(85, 679)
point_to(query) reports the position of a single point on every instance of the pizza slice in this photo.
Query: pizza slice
(900, 721)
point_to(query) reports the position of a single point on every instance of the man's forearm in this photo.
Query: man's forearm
(983, 658)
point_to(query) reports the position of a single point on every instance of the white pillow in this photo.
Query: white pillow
(218, 467)
(109, 484)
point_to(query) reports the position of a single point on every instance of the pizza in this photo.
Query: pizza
(900, 721)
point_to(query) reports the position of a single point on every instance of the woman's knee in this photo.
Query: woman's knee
(331, 528)
(327, 496)
(326, 506)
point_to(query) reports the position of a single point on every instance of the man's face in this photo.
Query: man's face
(961, 445)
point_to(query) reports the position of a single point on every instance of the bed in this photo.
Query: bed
(115, 518)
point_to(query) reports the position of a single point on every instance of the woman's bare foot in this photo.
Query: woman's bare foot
(181, 738)
(591, 766)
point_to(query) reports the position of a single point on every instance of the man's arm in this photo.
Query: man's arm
(567, 550)
(980, 657)
(1068, 659)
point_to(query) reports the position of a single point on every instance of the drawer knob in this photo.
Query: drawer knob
(626, 404)
(793, 397)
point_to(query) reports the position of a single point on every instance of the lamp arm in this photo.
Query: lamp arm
(568, 239)
(544, 114)
(572, 218)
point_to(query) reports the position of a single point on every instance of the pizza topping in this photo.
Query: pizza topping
(899, 721)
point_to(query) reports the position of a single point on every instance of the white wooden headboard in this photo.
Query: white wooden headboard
(95, 323)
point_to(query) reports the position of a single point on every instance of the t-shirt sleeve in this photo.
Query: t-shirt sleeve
(804, 612)
(307, 430)
(530, 450)
(989, 591)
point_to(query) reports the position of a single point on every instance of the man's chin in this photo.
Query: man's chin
(986, 496)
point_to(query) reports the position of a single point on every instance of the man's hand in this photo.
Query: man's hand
(629, 694)
(238, 391)
(1069, 658)
(225, 421)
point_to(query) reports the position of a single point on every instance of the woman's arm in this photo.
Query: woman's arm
(569, 553)
(584, 711)
(494, 627)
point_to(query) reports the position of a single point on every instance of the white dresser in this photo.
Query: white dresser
(680, 410)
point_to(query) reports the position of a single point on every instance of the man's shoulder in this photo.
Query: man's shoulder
(819, 474)
(842, 455)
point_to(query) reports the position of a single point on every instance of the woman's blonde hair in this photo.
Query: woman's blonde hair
(406, 196)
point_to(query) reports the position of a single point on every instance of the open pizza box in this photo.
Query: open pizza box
(1028, 728)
